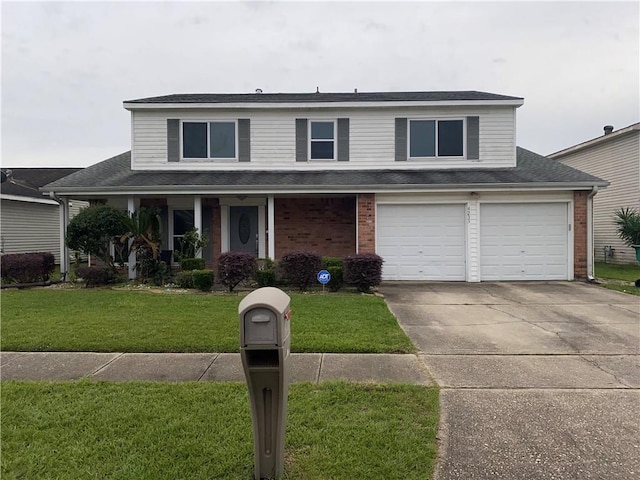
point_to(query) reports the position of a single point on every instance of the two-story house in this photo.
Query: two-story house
(431, 181)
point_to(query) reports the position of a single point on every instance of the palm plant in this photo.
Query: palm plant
(628, 224)
(143, 229)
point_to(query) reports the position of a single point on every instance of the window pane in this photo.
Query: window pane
(450, 138)
(322, 150)
(422, 138)
(182, 221)
(223, 139)
(322, 130)
(194, 140)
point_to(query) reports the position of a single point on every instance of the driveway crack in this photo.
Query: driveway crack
(605, 370)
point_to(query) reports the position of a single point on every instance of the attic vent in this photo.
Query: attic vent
(608, 129)
(258, 90)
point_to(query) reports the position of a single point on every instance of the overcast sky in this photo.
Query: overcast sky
(67, 67)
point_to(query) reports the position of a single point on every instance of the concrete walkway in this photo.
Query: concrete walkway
(202, 367)
(538, 380)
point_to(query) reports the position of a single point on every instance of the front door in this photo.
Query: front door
(243, 229)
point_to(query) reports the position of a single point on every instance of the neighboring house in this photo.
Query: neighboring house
(30, 219)
(615, 157)
(431, 181)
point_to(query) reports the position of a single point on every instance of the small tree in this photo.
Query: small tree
(92, 230)
(628, 222)
(143, 229)
(301, 268)
(364, 270)
(235, 267)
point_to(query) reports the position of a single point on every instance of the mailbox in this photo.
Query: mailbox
(265, 317)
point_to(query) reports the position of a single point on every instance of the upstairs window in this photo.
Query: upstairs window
(322, 140)
(436, 138)
(216, 140)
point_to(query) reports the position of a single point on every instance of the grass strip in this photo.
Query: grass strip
(104, 320)
(335, 430)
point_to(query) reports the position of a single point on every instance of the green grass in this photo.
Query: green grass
(629, 273)
(620, 278)
(104, 320)
(203, 430)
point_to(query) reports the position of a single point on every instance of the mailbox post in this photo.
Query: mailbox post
(265, 350)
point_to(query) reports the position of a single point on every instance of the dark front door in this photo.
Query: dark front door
(243, 230)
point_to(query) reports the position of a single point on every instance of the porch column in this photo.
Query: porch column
(64, 250)
(271, 227)
(131, 207)
(197, 219)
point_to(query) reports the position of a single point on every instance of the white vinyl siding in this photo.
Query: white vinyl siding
(524, 241)
(617, 161)
(422, 242)
(371, 137)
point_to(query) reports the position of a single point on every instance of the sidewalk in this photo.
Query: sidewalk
(203, 367)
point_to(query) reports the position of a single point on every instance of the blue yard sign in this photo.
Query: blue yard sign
(323, 277)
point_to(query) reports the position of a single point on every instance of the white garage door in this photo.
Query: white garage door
(521, 241)
(421, 242)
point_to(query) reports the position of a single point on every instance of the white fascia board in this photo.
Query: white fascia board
(18, 198)
(594, 141)
(317, 105)
(320, 189)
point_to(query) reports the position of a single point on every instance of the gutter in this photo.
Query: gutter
(590, 270)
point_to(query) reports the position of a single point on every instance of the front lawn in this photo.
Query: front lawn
(105, 320)
(618, 277)
(203, 430)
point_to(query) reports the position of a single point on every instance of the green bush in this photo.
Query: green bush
(265, 264)
(332, 262)
(337, 279)
(188, 264)
(184, 279)
(203, 279)
(265, 278)
(628, 225)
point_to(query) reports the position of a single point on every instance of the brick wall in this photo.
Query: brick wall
(326, 226)
(580, 234)
(366, 223)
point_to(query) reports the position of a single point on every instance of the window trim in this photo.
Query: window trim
(437, 120)
(310, 140)
(209, 159)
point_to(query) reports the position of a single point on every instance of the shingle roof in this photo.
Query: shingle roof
(115, 175)
(323, 97)
(28, 180)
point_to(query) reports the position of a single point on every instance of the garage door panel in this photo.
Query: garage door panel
(433, 234)
(524, 241)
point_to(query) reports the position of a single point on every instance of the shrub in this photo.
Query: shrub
(265, 264)
(93, 228)
(27, 267)
(332, 262)
(185, 279)
(97, 276)
(301, 268)
(235, 267)
(628, 225)
(363, 270)
(265, 278)
(150, 268)
(187, 264)
(203, 279)
(337, 280)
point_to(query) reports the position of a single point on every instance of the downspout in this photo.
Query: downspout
(64, 250)
(590, 272)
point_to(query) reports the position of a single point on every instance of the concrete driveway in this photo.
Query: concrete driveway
(539, 380)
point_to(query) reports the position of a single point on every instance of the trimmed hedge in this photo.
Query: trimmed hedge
(98, 276)
(363, 270)
(301, 268)
(188, 264)
(265, 278)
(332, 262)
(203, 279)
(184, 279)
(27, 267)
(235, 267)
(337, 280)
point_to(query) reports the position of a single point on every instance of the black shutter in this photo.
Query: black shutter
(343, 139)
(473, 138)
(173, 140)
(301, 140)
(244, 140)
(401, 139)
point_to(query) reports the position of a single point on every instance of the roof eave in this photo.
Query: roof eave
(279, 189)
(315, 105)
(595, 141)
